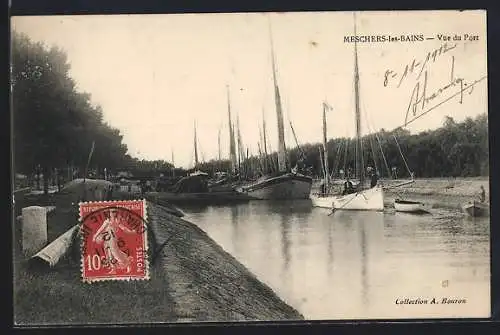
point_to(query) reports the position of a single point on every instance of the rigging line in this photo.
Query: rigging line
(347, 143)
(404, 160)
(374, 156)
(371, 130)
(383, 155)
(336, 161)
(380, 145)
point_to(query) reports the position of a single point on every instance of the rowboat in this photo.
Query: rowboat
(409, 206)
(476, 208)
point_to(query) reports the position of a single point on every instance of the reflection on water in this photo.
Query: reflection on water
(352, 265)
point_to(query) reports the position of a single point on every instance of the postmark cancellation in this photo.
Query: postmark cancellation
(114, 244)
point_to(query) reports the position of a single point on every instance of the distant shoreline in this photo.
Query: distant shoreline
(437, 192)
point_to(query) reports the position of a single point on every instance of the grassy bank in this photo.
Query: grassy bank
(192, 279)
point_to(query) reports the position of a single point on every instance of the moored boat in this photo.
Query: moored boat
(359, 197)
(476, 209)
(408, 206)
(285, 184)
(371, 199)
(279, 187)
(322, 200)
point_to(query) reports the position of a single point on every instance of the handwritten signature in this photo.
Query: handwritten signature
(418, 65)
(420, 98)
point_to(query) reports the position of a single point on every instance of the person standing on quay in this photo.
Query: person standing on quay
(482, 194)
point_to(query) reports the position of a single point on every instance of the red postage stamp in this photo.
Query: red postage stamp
(114, 240)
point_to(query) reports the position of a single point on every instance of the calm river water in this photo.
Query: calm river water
(358, 265)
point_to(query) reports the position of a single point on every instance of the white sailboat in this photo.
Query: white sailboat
(324, 198)
(360, 197)
(285, 184)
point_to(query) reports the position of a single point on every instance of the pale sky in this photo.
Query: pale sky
(155, 75)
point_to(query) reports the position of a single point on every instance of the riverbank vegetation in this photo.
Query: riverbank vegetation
(56, 126)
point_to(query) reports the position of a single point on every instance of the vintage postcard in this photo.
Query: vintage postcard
(250, 167)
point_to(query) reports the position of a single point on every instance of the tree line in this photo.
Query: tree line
(54, 125)
(456, 149)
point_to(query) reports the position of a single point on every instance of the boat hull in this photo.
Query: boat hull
(371, 200)
(322, 201)
(476, 209)
(286, 186)
(409, 206)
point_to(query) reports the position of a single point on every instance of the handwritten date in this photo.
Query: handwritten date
(417, 67)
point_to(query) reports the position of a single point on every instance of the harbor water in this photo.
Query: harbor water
(358, 265)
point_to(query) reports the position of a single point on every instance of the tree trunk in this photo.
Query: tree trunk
(38, 178)
(58, 179)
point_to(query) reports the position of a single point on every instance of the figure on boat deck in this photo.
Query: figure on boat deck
(299, 166)
(348, 187)
(373, 179)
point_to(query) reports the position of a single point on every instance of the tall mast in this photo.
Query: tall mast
(218, 149)
(359, 154)
(173, 164)
(279, 112)
(195, 147)
(232, 145)
(261, 158)
(264, 136)
(218, 145)
(241, 154)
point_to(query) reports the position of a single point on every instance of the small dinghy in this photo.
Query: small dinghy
(476, 209)
(408, 206)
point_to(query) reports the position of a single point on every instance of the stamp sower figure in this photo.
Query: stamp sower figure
(106, 234)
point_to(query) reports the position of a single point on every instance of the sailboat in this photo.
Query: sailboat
(284, 184)
(361, 197)
(197, 172)
(225, 182)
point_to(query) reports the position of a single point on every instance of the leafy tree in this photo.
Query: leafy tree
(54, 125)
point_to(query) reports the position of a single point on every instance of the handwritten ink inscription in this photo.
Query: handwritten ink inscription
(417, 66)
(420, 98)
